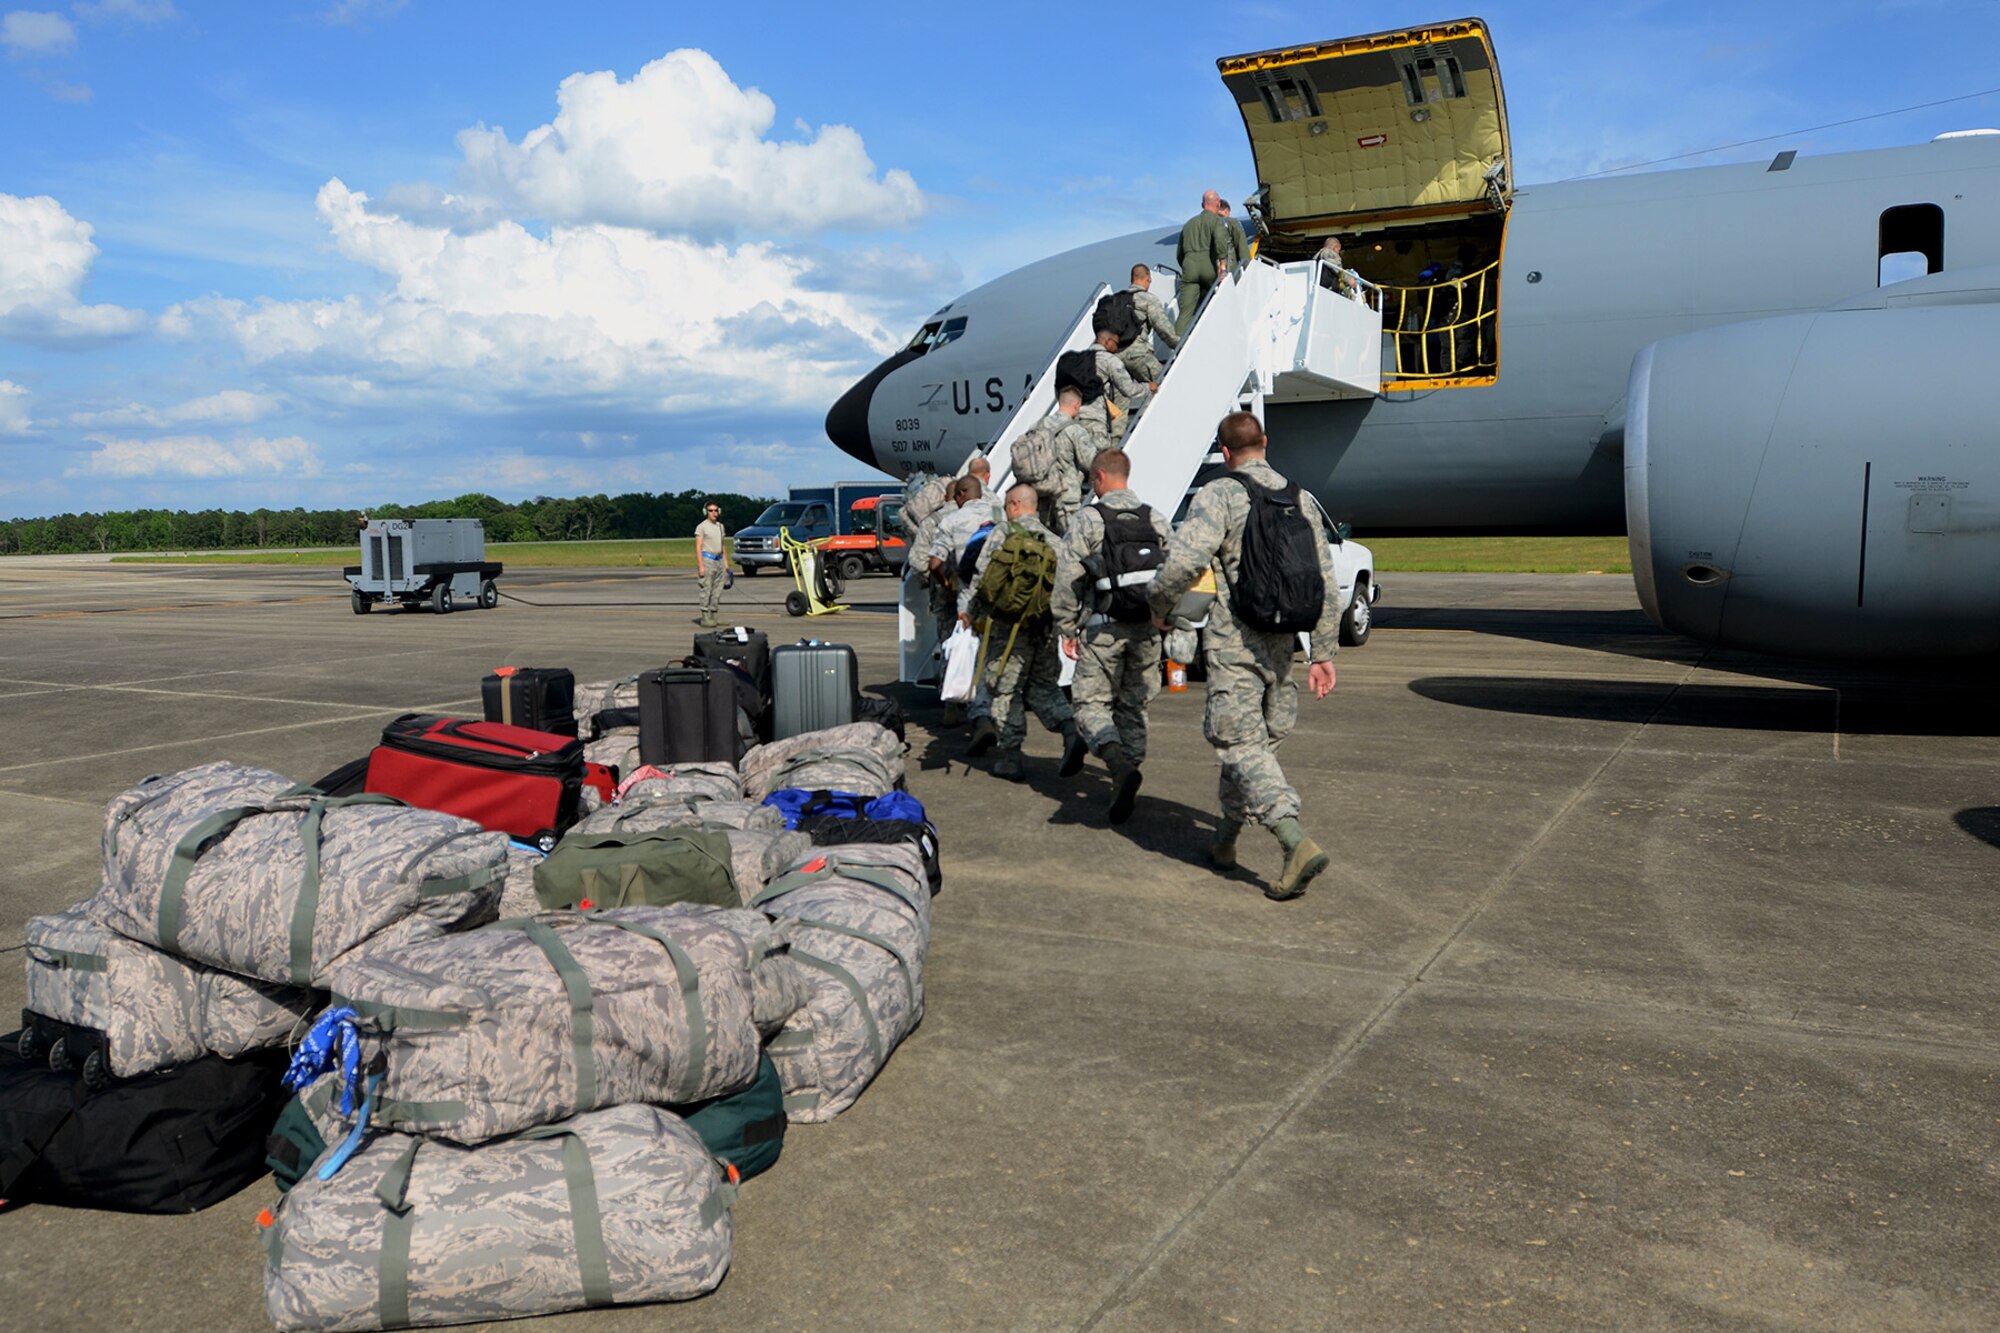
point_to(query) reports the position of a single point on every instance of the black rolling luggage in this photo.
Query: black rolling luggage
(538, 698)
(750, 655)
(688, 715)
(174, 1141)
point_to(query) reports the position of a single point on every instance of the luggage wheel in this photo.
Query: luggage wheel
(96, 1071)
(29, 1044)
(59, 1055)
(546, 841)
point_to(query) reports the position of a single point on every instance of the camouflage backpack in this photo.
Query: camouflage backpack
(1035, 458)
(926, 494)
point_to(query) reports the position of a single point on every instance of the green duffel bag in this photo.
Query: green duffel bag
(621, 868)
(295, 1143)
(744, 1130)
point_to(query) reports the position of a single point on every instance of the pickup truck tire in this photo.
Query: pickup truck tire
(852, 567)
(749, 571)
(1359, 617)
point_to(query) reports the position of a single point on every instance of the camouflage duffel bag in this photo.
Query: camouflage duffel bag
(523, 1022)
(715, 780)
(608, 708)
(152, 1010)
(861, 757)
(238, 868)
(860, 918)
(665, 812)
(517, 892)
(615, 1207)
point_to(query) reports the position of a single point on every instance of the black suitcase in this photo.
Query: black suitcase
(688, 715)
(174, 1141)
(749, 655)
(538, 698)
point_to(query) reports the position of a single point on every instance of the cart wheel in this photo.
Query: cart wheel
(852, 567)
(795, 602)
(59, 1055)
(441, 599)
(489, 595)
(361, 603)
(29, 1043)
(96, 1071)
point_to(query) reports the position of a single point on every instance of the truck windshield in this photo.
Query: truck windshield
(780, 515)
(864, 520)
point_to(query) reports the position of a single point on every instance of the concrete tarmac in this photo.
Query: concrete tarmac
(1651, 988)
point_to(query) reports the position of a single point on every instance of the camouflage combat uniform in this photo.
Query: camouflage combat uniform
(1117, 663)
(1140, 358)
(1119, 387)
(954, 533)
(1076, 449)
(1030, 674)
(1252, 699)
(1205, 241)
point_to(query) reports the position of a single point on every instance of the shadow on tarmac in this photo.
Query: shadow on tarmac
(1982, 822)
(1870, 706)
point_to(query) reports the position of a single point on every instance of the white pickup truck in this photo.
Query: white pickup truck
(1354, 565)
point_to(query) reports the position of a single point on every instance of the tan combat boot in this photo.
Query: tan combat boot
(1303, 864)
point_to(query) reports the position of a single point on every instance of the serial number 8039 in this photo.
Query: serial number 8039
(907, 423)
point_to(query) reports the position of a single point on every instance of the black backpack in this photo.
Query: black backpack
(1133, 553)
(1078, 370)
(1119, 314)
(1278, 588)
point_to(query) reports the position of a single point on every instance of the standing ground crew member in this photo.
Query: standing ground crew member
(1202, 257)
(711, 564)
(1274, 578)
(1021, 667)
(1140, 358)
(1099, 608)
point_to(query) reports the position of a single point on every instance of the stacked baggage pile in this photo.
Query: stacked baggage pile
(518, 1009)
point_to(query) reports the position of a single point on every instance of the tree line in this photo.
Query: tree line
(637, 514)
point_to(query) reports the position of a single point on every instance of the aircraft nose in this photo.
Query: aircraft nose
(847, 420)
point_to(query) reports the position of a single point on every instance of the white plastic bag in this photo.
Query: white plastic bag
(961, 654)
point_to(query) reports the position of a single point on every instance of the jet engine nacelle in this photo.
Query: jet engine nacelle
(1823, 484)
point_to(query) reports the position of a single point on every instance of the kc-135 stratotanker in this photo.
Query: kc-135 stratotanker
(1776, 378)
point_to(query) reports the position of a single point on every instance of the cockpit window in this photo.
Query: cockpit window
(936, 334)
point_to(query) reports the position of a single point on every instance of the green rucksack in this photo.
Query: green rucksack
(622, 868)
(1020, 577)
(1016, 586)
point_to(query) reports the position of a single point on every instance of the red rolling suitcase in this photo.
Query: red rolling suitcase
(508, 779)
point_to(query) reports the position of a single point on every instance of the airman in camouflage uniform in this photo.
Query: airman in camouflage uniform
(1239, 244)
(1129, 394)
(1076, 449)
(1202, 257)
(1252, 699)
(1140, 358)
(1117, 662)
(1028, 675)
(955, 526)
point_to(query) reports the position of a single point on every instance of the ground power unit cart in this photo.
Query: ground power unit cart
(412, 561)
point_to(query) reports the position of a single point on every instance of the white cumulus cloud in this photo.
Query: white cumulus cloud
(27, 33)
(230, 407)
(585, 311)
(680, 147)
(201, 457)
(45, 255)
(13, 408)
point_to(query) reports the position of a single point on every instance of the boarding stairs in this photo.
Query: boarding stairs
(1265, 333)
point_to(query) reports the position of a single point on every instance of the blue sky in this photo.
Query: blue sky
(350, 251)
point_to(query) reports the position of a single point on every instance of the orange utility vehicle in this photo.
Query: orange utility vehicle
(873, 541)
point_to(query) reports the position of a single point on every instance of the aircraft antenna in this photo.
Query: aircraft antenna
(1810, 129)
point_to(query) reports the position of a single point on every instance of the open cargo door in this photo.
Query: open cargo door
(1378, 131)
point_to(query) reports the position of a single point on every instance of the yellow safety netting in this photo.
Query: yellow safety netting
(1443, 335)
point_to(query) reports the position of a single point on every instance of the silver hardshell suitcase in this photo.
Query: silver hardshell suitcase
(813, 686)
